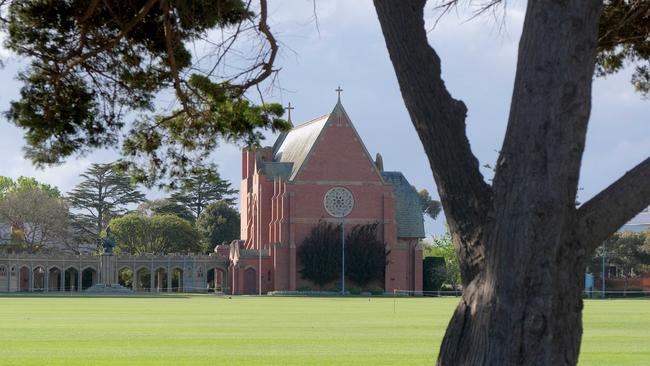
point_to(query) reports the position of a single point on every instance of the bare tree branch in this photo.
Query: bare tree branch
(169, 39)
(610, 209)
(267, 66)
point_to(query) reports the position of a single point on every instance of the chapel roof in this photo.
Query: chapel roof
(408, 210)
(294, 146)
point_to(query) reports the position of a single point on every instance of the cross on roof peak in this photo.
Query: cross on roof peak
(338, 91)
(289, 109)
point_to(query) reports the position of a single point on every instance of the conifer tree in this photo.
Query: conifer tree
(102, 195)
(201, 188)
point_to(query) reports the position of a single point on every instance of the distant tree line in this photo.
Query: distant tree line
(628, 252)
(197, 215)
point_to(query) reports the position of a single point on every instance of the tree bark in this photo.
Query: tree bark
(522, 245)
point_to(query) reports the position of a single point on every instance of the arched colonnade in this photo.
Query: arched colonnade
(152, 273)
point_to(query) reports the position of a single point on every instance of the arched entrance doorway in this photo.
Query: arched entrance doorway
(177, 280)
(38, 282)
(160, 280)
(54, 279)
(250, 281)
(71, 279)
(88, 278)
(142, 280)
(24, 278)
(216, 280)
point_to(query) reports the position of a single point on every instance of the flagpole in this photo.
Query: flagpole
(343, 256)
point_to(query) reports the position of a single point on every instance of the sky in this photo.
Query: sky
(346, 48)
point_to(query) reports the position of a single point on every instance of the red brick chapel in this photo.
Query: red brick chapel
(320, 171)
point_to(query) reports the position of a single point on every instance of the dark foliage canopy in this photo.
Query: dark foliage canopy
(218, 223)
(624, 40)
(320, 254)
(93, 63)
(365, 255)
(160, 234)
(433, 273)
(430, 206)
(200, 188)
(166, 207)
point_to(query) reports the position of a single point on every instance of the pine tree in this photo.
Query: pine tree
(201, 188)
(103, 195)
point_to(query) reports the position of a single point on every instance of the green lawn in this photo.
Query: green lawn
(211, 330)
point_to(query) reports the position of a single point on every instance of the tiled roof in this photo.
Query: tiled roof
(294, 146)
(408, 210)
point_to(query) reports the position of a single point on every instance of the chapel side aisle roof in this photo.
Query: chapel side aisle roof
(408, 210)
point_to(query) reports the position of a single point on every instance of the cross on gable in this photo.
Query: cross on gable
(338, 91)
(289, 109)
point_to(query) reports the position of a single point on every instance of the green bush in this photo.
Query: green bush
(376, 291)
(355, 291)
(433, 273)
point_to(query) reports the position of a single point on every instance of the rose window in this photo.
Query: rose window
(338, 202)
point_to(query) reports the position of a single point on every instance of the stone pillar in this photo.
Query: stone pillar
(151, 279)
(107, 264)
(234, 289)
(169, 280)
(46, 280)
(135, 280)
(31, 279)
(62, 281)
(292, 266)
(292, 243)
(417, 266)
(225, 282)
(79, 281)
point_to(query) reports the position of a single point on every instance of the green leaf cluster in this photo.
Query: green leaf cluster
(218, 223)
(628, 251)
(443, 246)
(92, 64)
(22, 184)
(624, 40)
(161, 234)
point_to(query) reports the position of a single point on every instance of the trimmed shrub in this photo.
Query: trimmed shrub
(320, 254)
(365, 255)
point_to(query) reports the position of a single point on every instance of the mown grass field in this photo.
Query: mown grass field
(212, 330)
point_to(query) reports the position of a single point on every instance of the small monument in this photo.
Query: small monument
(107, 274)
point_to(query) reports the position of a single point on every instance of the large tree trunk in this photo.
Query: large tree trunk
(522, 244)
